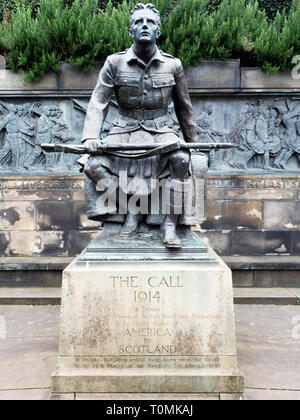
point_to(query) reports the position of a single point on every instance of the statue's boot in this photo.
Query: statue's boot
(168, 232)
(131, 225)
(168, 227)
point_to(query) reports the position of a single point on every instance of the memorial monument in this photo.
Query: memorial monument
(147, 307)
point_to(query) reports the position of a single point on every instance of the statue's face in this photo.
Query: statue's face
(145, 28)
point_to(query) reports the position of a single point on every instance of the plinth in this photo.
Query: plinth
(142, 320)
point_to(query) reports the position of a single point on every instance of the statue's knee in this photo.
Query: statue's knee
(91, 168)
(180, 163)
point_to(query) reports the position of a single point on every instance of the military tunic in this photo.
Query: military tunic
(144, 93)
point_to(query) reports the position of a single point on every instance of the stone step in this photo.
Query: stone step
(30, 296)
(247, 271)
(242, 295)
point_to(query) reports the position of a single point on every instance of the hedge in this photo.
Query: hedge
(35, 39)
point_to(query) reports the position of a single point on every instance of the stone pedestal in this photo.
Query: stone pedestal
(157, 324)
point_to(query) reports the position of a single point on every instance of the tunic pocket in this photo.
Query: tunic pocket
(162, 88)
(127, 89)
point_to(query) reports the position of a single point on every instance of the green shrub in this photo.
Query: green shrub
(28, 45)
(81, 32)
(271, 7)
(14, 4)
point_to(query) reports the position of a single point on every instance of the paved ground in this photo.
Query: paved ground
(268, 346)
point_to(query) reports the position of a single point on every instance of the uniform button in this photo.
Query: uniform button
(145, 92)
(146, 77)
(125, 80)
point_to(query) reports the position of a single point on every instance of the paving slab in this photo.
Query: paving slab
(28, 348)
(295, 292)
(268, 346)
(26, 394)
(272, 321)
(271, 395)
(268, 340)
(27, 321)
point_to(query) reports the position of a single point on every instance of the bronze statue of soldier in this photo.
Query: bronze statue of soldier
(145, 82)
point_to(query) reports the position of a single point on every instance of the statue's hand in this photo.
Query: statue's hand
(92, 145)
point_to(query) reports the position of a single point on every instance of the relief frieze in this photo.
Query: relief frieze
(265, 132)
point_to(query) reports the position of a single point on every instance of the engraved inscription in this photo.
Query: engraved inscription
(147, 291)
(254, 183)
(150, 362)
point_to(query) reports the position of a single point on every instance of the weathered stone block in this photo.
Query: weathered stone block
(17, 216)
(78, 240)
(254, 79)
(260, 194)
(39, 195)
(242, 278)
(214, 74)
(38, 243)
(4, 243)
(281, 215)
(22, 278)
(261, 242)
(233, 215)
(214, 215)
(78, 195)
(70, 78)
(219, 241)
(53, 215)
(36, 188)
(30, 278)
(276, 278)
(214, 194)
(242, 215)
(80, 219)
(296, 242)
(11, 81)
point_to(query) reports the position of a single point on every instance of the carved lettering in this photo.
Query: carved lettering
(146, 349)
(147, 332)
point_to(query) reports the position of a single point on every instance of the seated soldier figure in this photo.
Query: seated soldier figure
(145, 82)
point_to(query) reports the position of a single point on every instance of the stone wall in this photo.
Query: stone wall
(253, 214)
(246, 215)
(44, 216)
(253, 190)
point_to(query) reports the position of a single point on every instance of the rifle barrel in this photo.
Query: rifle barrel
(82, 149)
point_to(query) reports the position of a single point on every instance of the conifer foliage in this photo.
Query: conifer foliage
(37, 34)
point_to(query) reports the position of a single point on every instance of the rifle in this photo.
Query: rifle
(146, 150)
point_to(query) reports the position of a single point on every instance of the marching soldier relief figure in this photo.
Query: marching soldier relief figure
(145, 81)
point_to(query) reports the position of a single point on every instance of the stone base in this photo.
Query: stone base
(144, 397)
(163, 381)
(153, 326)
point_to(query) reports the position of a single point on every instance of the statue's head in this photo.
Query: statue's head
(144, 24)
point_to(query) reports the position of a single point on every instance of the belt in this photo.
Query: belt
(143, 114)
